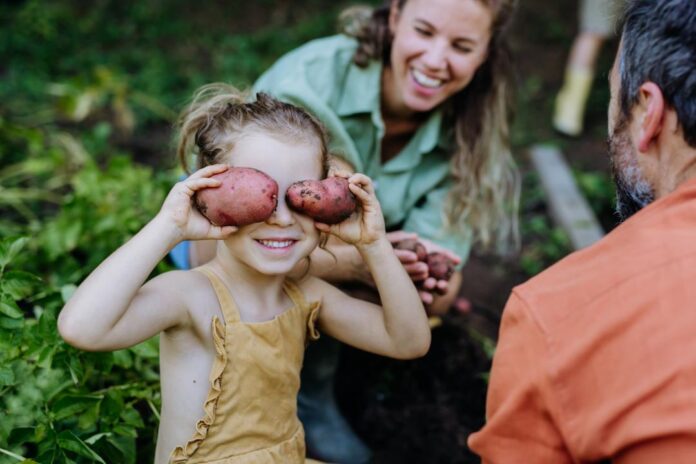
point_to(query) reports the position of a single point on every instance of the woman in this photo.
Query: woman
(414, 94)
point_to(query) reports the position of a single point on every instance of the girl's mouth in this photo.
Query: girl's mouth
(274, 244)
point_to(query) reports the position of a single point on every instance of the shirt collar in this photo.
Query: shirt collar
(426, 138)
(361, 89)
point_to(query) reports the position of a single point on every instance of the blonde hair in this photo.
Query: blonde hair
(485, 194)
(220, 114)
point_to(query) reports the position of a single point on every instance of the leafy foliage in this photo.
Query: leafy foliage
(83, 90)
(60, 404)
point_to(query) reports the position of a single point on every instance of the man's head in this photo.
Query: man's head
(652, 114)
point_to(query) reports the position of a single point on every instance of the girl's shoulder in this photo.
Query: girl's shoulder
(190, 288)
(316, 289)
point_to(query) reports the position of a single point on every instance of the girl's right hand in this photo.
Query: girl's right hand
(178, 207)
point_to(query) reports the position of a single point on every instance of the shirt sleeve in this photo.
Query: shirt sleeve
(427, 220)
(519, 407)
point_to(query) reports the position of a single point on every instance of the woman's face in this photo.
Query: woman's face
(437, 47)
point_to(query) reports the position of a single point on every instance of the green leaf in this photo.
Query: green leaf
(125, 431)
(66, 291)
(10, 248)
(89, 418)
(9, 323)
(7, 376)
(70, 405)
(18, 284)
(123, 358)
(147, 349)
(95, 438)
(10, 308)
(71, 442)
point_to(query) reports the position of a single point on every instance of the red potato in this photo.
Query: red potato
(245, 196)
(411, 244)
(328, 201)
(440, 266)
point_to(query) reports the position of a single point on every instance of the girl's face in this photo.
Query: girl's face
(437, 47)
(275, 246)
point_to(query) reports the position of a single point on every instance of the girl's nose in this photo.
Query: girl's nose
(283, 215)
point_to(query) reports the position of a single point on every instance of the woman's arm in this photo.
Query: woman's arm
(112, 309)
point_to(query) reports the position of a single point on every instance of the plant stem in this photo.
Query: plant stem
(11, 454)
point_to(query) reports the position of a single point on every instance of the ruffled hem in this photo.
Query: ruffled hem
(183, 453)
(290, 451)
(312, 332)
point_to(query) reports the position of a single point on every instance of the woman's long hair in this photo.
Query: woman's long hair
(485, 194)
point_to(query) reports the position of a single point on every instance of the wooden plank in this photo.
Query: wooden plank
(567, 205)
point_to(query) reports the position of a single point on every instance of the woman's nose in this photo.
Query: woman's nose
(435, 56)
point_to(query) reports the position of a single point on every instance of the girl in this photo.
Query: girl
(239, 321)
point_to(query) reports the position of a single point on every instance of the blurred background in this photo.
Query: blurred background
(89, 92)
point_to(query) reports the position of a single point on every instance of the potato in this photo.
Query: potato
(328, 201)
(245, 196)
(440, 266)
(415, 246)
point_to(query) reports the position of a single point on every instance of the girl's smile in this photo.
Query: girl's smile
(276, 245)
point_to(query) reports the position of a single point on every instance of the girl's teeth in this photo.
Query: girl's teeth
(426, 81)
(275, 244)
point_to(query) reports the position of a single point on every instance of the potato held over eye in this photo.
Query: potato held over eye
(245, 196)
(328, 201)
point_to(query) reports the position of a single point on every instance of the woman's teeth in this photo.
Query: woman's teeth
(275, 243)
(426, 81)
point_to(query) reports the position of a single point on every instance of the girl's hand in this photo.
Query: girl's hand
(366, 225)
(178, 207)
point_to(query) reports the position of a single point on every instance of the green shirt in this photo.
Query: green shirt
(321, 77)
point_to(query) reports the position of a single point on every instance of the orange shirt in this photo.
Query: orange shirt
(597, 355)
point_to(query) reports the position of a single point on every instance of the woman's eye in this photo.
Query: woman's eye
(462, 48)
(423, 32)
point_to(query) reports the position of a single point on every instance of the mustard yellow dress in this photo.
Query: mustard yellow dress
(251, 409)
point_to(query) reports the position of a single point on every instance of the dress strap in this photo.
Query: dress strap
(227, 303)
(293, 291)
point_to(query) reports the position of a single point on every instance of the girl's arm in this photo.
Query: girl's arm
(400, 328)
(112, 309)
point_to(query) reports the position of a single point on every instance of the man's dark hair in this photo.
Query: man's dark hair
(659, 45)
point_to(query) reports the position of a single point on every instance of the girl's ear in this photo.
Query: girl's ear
(394, 13)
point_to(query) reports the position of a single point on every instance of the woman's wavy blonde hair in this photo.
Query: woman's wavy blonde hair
(485, 194)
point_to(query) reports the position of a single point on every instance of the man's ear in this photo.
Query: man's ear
(652, 104)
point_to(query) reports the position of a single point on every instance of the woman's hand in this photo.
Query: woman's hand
(432, 285)
(417, 270)
(366, 225)
(178, 207)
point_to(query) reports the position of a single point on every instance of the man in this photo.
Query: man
(597, 355)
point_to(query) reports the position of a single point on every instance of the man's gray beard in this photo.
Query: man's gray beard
(633, 192)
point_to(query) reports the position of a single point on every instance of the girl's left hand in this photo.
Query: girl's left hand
(366, 225)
